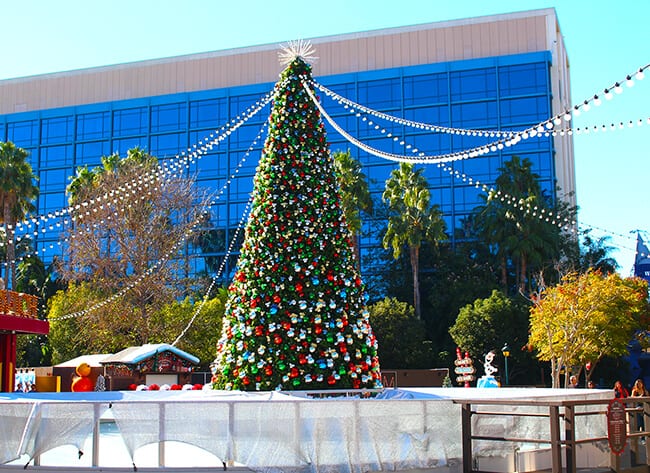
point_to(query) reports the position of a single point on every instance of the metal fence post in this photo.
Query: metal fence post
(556, 445)
(466, 434)
(569, 438)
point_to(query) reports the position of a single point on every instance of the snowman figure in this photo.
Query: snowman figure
(488, 380)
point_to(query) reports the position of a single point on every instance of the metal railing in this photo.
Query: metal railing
(561, 416)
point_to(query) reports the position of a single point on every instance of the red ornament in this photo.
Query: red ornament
(331, 380)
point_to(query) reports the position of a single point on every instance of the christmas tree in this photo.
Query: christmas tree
(296, 317)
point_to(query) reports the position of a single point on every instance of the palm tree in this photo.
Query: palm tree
(17, 191)
(80, 184)
(514, 234)
(412, 220)
(355, 195)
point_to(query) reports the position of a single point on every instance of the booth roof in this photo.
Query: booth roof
(91, 360)
(133, 355)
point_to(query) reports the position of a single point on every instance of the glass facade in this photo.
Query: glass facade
(509, 92)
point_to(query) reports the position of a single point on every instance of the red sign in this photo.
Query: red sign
(616, 426)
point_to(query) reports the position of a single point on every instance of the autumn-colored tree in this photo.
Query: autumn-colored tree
(586, 317)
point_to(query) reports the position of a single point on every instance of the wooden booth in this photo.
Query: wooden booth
(148, 364)
(18, 315)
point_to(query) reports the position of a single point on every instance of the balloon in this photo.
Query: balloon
(82, 384)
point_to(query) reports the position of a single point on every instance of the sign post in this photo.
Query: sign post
(616, 426)
(464, 368)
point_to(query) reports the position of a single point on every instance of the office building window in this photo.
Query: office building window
(208, 113)
(56, 156)
(24, 133)
(171, 117)
(91, 153)
(426, 89)
(93, 126)
(133, 121)
(381, 94)
(523, 79)
(473, 84)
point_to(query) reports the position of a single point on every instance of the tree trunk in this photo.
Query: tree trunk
(522, 274)
(504, 275)
(354, 242)
(415, 267)
(555, 373)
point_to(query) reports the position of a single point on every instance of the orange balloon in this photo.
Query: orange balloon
(82, 384)
(83, 369)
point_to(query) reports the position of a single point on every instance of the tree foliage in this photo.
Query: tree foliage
(586, 317)
(355, 195)
(510, 223)
(90, 333)
(296, 314)
(490, 323)
(129, 244)
(17, 193)
(412, 219)
(400, 335)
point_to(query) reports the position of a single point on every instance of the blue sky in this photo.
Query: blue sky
(605, 42)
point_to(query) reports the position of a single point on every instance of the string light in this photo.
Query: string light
(193, 227)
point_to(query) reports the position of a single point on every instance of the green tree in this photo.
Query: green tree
(490, 323)
(585, 318)
(412, 219)
(32, 277)
(17, 192)
(400, 335)
(355, 195)
(194, 326)
(74, 333)
(296, 316)
(510, 223)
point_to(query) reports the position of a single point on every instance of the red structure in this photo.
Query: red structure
(18, 315)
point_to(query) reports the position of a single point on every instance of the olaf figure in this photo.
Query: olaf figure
(488, 380)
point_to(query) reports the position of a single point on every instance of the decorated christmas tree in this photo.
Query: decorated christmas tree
(296, 317)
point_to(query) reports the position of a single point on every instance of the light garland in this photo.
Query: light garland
(166, 171)
(177, 245)
(556, 120)
(219, 272)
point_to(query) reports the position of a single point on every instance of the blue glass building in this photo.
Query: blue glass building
(491, 73)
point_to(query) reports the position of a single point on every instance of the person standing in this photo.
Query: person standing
(620, 391)
(639, 390)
